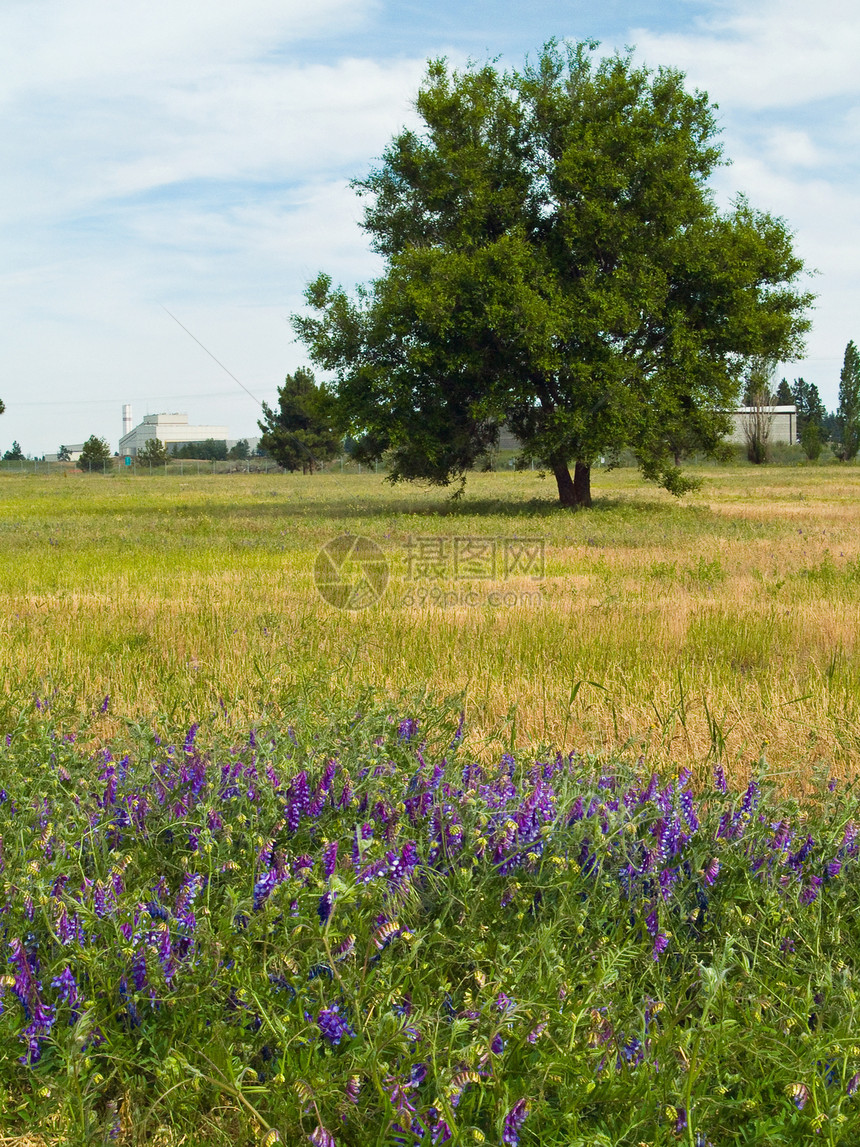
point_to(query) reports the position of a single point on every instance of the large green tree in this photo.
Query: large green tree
(848, 414)
(302, 433)
(554, 260)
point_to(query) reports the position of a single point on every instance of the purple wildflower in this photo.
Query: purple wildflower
(853, 1083)
(497, 1044)
(325, 906)
(798, 1094)
(322, 1138)
(680, 1119)
(689, 811)
(407, 728)
(661, 943)
(711, 871)
(810, 893)
(418, 1074)
(67, 986)
(263, 888)
(352, 1089)
(329, 859)
(834, 867)
(666, 879)
(849, 838)
(720, 779)
(535, 1034)
(514, 1121)
(104, 704)
(333, 1026)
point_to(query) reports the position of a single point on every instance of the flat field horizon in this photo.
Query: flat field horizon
(722, 624)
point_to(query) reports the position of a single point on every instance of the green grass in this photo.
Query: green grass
(733, 612)
(721, 630)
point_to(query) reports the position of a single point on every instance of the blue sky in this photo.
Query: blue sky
(196, 155)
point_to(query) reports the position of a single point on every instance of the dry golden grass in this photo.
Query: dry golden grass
(733, 614)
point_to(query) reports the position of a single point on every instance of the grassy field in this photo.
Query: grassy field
(730, 617)
(245, 901)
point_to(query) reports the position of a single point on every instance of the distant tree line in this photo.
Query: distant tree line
(816, 425)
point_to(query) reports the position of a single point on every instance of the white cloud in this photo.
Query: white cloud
(771, 54)
(52, 44)
(146, 163)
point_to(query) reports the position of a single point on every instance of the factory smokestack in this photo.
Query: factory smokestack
(126, 419)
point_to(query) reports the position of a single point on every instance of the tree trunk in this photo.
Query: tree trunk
(576, 491)
(582, 485)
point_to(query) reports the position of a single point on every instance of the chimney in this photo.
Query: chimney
(126, 419)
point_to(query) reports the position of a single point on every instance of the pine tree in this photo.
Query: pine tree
(14, 455)
(784, 396)
(810, 408)
(301, 433)
(849, 404)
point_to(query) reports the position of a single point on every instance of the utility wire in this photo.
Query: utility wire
(212, 356)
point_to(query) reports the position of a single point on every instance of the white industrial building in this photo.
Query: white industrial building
(74, 453)
(173, 430)
(781, 419)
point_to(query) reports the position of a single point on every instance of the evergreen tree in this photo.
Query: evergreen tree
(16, 454)
(849, 404)
(239, 451)
(95, 455)
(784, 396)
(63, 454)
(810, 408)
(301, 434)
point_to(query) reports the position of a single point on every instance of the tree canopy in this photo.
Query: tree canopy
(554, 261)
(95, 454)
(302, 432)
(154, 452)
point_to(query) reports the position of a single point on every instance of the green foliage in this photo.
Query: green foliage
(95, 455)
(63, 454)
(784, 394)
(154, 453)
(849, 404)
(347, 922)
(210, 450)
(239, 451)
(13, 455)
(2, 406)
(302, 432)
(554, 261)
(811, 442)
(810, 408)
